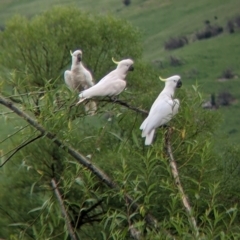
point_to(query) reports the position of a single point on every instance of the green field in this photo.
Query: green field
(202, 61)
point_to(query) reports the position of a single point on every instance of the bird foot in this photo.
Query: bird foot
(114, 98)
(80, 101)
(164, 126)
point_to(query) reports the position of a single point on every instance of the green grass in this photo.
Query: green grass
(203, 61)
(158, 20)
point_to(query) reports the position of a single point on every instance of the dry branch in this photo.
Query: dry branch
(176, 177)
(63, 210)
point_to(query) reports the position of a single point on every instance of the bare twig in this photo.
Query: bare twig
(176, 177)
(119, 102)
(5, 113)
(83, 216)
(9, 136)
(13, 99)
(76, 155)
(19, 148)
(125, 104)
(63, 210)
(136, 234)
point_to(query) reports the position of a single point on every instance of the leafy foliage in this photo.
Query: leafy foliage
(38, 49)
(111, 140)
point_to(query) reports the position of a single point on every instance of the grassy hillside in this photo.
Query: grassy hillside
(158, 20)
(201, 61)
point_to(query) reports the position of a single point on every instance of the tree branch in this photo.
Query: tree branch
(125, 104)
(82, 216)
(63, 210)
(176, 177)
(76, 155)
(19, 148)
(116, 101)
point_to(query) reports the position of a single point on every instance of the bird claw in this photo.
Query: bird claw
(80, 101)
(114, 98)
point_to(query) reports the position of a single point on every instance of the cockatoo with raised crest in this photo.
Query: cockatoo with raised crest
(110, 85)
(163, 109)
(80, 78)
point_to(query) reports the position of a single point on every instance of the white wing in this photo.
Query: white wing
(157, 102)
(149, 137)
(68, 79)
(112, 76)
(102, 89)
(88, 78)
(161, 113)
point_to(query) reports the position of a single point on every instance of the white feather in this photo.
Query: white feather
(110, 85)
(79, 78)
(162, 110)
(102, 89)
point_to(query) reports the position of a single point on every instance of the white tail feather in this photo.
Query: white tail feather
(149, 137)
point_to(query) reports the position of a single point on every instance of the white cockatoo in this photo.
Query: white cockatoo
(110, 85)
(80, 78)
(163, 109)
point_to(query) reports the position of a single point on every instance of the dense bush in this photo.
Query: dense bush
(174, 61)
(126, 2)
(228, 74)
(237, 21)
(39, 48)
(225, 98)
(230, 26)
(175, 42)
(233, 24)
(209, 31)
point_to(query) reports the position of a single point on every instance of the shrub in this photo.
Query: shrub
(233, 24)
(126, 2)
(225, 98)
(176, 42)
(174, 61)
(237, 21)
(228, 74)
(39, 47)
(230, 26)
(209, 31)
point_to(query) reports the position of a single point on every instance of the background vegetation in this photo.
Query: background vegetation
(203, 61)
(35, 52)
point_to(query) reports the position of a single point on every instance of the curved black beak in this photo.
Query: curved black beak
(131, 68)
(179, 84)
(79, 57)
